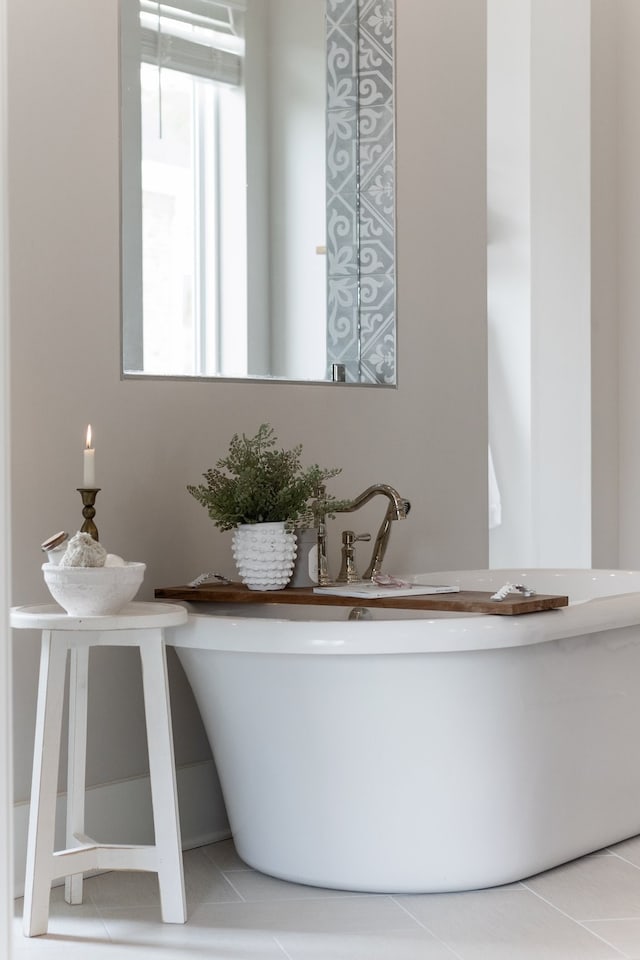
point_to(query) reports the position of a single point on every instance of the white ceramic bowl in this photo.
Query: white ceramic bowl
(93, 591)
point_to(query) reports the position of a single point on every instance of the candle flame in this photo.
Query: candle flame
(88, 444)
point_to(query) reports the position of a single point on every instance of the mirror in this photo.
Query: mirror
(258, 190)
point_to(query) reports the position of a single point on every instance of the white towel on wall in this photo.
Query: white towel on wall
(495, 504)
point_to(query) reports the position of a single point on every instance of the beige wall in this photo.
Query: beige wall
(627, 206)
(6, 781)
(428, 437)
(615, 286)
(608, 23)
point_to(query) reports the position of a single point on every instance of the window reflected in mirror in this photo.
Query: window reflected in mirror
(258, 196)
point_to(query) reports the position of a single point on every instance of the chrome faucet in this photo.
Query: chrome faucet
(397, 510)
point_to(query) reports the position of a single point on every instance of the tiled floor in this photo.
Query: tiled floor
(585, 910)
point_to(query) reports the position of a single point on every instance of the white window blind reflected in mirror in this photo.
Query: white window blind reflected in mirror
(193, 190)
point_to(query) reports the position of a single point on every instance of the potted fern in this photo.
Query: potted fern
(263, 494)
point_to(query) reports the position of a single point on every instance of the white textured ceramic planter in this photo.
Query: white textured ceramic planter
(264, 555)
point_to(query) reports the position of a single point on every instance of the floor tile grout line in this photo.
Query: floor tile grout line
(580, 923)
(425, 927)
(626, 956)
(625, 860)
(233, 887)
(632, 916)
(101, 908)
(242, 867)
(283, 948)
(225, 880)
(340, 897)
(99, 913)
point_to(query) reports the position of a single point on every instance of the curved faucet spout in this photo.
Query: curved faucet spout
(397, 504)
(397, 510)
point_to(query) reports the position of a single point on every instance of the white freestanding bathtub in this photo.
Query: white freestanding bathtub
(425, 752)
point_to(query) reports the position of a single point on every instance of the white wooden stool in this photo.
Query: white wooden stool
(137, 625)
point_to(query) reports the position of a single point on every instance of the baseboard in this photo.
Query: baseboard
(120, 812)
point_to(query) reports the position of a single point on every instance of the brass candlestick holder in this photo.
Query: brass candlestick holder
(89, 495)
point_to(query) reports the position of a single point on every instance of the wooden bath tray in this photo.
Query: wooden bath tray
(466, 601)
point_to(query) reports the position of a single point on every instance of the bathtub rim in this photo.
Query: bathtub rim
(276, 634)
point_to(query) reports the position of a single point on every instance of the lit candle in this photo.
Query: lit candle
(89, 463)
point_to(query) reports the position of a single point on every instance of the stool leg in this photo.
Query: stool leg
(44, 784)
(163, 778)
(76, 767)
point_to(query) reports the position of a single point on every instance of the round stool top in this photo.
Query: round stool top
(134, 616)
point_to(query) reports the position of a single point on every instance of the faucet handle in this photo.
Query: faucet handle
(349, 538)
(348, 572)
(364, 537)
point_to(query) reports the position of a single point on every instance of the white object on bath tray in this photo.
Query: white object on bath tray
(519, 588)
(374, 591)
